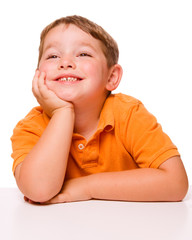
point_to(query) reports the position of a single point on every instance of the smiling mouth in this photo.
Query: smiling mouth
(68, 79)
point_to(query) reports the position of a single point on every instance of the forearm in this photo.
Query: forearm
(137, 185)
(132, 185)
(42, 172)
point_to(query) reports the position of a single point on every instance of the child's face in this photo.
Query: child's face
(75, 66)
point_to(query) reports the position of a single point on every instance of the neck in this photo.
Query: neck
(86, 120)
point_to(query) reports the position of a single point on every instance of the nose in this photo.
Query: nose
(66, 63)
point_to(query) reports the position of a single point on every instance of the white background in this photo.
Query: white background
(155, 42)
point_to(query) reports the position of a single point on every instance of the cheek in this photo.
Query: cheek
(85, 65)
(92, 70)
(45, 68)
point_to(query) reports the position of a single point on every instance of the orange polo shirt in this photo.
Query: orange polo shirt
(127, 137)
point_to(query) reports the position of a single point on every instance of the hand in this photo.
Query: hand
(73, 190)
(45, 97)
(30, 201)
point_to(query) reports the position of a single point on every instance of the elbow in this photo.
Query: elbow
(179, 190)
(38, 193)
(182, 192)
(36, 190)
(175, 179)
(40, 196)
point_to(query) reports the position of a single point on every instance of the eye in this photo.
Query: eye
(84, 55)
(52, 57)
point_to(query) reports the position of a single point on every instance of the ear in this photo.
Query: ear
(115, 75)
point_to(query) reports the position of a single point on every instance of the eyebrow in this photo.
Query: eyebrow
(81, 44)
(50, 45)
(85, 44)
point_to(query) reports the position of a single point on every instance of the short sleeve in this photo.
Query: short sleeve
(26, 134)
(144, 138)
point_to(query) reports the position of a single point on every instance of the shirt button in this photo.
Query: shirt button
(81, 146)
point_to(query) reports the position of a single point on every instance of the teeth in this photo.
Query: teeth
(68, 79)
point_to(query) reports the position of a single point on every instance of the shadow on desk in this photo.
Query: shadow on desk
(95, 219)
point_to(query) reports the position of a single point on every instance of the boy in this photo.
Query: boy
(84, 142)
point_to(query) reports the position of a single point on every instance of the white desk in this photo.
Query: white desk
(101, 220)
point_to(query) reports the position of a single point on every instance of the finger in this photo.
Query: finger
(60, 198)
(26, 199)
(42, 79)
(35, 88)
(51, 201)
(30, 201)
(45, 92)
(41, 85)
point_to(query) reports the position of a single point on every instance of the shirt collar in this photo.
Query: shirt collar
(106, 121)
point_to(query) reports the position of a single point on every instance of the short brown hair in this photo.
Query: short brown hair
(109, 46)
